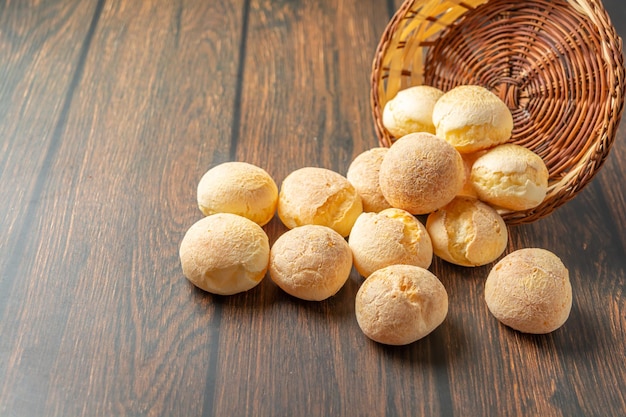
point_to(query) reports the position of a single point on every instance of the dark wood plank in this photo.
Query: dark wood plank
(103, 323)
(42, 47)
(40, 57)
(305, 101)
(109, 114)
(181, 60)
(471, 363)
(306, 84)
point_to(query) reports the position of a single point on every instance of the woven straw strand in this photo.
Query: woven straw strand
(557, 64)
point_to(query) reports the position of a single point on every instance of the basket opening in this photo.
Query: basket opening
(557, 64)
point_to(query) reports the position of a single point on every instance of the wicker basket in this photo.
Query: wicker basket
(557, 64)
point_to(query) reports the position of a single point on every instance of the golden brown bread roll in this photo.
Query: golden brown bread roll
(411, 111)
(239, 188)
(310, 262)
(363, 174)
(468, 189)
(400, 304)
(529, 290)
(472, 118)
(421, 173)
(393, 236)
(225, 254)
(467, 232)
(319, 196)
(511, 177)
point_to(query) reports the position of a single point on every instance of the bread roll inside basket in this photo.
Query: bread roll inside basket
(557, 64)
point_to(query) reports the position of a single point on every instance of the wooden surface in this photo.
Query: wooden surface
(110, 111)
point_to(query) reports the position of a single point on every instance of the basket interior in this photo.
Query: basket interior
(556, 64)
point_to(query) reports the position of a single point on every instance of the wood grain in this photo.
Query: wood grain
(121, 161)
(42, 54)
(162, 59)
(110, 112)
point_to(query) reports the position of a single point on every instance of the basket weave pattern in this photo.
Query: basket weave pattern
(557, 64)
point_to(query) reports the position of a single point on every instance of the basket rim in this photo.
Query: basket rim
(578, 176)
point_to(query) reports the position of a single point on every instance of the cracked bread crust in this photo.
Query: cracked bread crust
(529, 290)
(310, 262)
(225, 254)
(393, 236)
(510, 177)
(421, 173)
(467, 232)
(312, 195)
(400, 304)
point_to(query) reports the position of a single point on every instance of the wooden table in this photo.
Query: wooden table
(111, 110)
